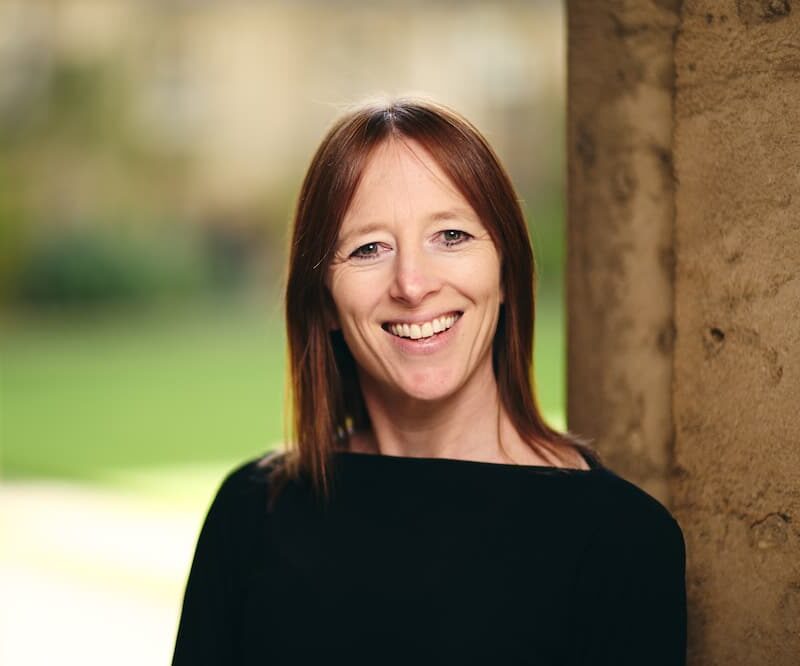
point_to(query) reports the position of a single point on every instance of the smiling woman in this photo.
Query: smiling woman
(406, 216)
(424, 511)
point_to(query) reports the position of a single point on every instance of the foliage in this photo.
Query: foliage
(96, 266)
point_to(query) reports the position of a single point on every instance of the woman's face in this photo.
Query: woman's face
(415, 280)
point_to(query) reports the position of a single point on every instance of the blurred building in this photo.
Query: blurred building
(235, 95)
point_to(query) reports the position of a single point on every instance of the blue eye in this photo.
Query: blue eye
(365, 251)
(454, 237)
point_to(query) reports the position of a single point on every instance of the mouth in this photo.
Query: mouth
(422, 329)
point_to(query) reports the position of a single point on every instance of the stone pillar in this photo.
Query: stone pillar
(620, 205)
(684, 292)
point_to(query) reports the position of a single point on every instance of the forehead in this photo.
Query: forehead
(402, 178)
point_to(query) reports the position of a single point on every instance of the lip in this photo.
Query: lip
(425, 346)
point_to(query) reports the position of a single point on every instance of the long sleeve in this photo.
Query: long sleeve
(209, 618)
(630, 595)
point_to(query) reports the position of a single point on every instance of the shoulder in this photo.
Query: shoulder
(238, 508)
(625, 517)
(246, 485)
(629, 589)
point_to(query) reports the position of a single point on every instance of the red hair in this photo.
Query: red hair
(326, 397)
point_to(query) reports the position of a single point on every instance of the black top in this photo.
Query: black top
(436, 561)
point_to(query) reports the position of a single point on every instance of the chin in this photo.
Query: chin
(427, 386)
(431, 396)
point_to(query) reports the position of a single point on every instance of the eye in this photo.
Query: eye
(454, 237)
(367, 251)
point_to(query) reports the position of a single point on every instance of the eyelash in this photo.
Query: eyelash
(463, 238)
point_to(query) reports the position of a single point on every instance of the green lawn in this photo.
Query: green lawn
(87, 398)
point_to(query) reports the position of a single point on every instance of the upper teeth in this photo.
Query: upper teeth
(425, 329)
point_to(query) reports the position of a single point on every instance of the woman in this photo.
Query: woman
(426, 513)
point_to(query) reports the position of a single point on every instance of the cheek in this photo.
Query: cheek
(480, 279)
(353, 296)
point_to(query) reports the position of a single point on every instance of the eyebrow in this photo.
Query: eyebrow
(363, 230)
(451, 214)
(439, 216)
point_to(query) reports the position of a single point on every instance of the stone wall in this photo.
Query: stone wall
(684, 292)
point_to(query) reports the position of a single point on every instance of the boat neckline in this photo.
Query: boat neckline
(354, 455)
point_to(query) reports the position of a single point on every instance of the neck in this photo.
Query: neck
(469, 424)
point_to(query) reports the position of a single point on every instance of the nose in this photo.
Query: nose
(415, 277)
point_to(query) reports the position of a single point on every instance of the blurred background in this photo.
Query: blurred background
(150, 153)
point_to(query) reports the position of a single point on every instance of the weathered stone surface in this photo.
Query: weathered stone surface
(737, 352)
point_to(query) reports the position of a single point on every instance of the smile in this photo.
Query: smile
(422, 329)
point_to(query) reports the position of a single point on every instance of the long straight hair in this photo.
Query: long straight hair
(325, 393)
